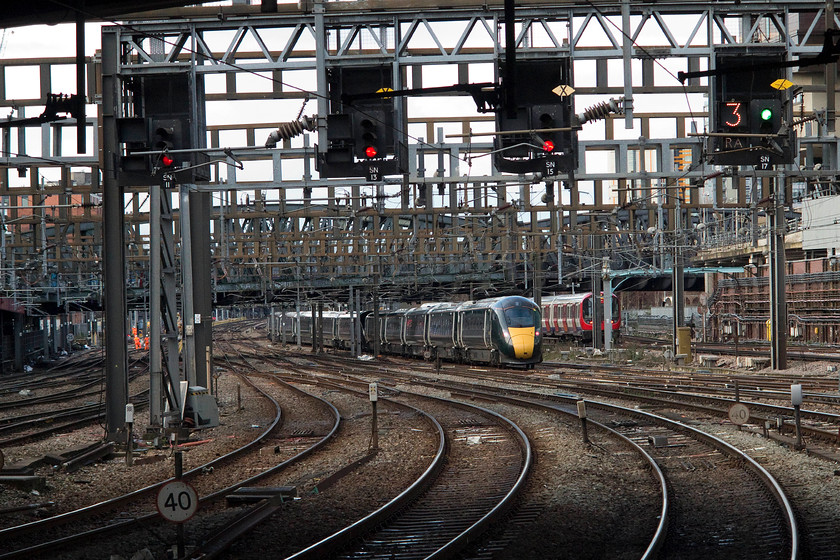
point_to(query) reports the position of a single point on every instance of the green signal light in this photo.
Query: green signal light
(766, 114)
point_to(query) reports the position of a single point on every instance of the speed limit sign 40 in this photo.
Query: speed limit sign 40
(739, 414)
(177, 501)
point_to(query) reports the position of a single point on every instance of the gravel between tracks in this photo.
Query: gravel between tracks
(103, 480)
(814, 485)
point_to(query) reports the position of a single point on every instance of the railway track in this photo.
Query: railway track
(820, 428)
(50, 403)
(816, 541)
(86, 527)
(625, 438)
(745, 348)
(463, 489)
(761, 536)
(701, 392)
(812, 540)
(452, 502)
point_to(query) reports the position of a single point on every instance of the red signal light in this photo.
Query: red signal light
(167, 161)
(548, 146)
(370, 151)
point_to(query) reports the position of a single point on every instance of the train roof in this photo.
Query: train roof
(433, 307)
(565, 298)
(503, 301)
(308, 313)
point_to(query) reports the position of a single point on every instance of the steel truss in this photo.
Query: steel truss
(472, 226)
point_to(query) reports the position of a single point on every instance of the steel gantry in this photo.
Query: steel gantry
(451, 222)
(628, 180)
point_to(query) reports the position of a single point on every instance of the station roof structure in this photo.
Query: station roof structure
(64, 11)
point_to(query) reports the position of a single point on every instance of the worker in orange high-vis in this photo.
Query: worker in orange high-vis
(136, 342)
(146, 343)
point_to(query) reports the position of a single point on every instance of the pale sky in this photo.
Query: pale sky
(47, 40)
(59, 41)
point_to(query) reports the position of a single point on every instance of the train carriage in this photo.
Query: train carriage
(414, 330)
(510, 331)
(500, 331)
(570, 316)
(441, 331)
(390, 330)
(473, 332)
(342, 330)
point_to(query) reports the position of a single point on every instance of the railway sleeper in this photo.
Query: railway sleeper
(25, 482)
(254, 494)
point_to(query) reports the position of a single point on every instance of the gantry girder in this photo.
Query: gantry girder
(452, 217)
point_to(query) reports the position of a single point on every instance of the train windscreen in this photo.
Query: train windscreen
(587, 309)
(521, 317)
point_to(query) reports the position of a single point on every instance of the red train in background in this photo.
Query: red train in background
(570, 316)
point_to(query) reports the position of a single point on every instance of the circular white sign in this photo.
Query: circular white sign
(177, 501)
(739, 413)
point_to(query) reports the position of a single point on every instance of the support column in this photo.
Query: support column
(608, 318)
(627, 49)
(830, 84)
(114, 258)
(17, 339)
(778, 299)
(169, 298)
(597, 313)
(202, 295)
(187, 308)
(45, 337)
(155, 354)
(678, 297)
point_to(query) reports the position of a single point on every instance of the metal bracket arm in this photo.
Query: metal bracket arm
(485, 95)
(56, 103)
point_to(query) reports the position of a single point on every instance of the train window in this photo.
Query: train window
(392, 327)
(519, 317)
(414, 326)
(473, 322)
(587, 309)
(440, 324)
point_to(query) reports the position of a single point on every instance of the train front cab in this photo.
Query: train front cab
(585, 316)
(517, 321)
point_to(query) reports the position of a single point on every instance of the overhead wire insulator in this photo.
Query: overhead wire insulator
(291, 129)
(601, 110)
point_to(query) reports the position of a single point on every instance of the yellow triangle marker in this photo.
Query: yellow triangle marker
(563, 90)
(781, 84)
